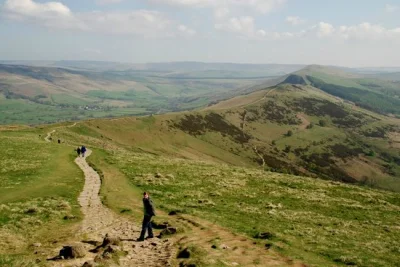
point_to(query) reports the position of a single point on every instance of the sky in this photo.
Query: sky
(352, 33)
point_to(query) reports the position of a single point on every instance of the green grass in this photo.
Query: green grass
(24, 112)
(319, 222)
(108, 94)
(34, 194)
(69, 100)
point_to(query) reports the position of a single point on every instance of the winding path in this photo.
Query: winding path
(99, 221)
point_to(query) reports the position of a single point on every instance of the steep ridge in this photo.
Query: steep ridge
(297, 129)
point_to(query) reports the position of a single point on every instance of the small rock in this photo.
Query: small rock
(163, 225)
(69, 217)
(170, 176)
(112, 249)
(224, 247)
(98, 258)
(168, 231)
(31, 210)
(154, 244)
(173, 213)
(107, 256)
(265, 235)
(184, 254)
(214, 247)
(37, 245)
(158, 175)
(73, 252)
(89, 264)
(111, 240)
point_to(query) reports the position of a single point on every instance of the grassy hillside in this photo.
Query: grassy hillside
(39, 186)
(209, 165)
(321, 223)
(297, 170)
(293, 129)
(56, 94)
(179, 69)
(379, 93)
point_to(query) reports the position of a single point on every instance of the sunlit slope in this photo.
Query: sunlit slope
(34, 95)
(379, 93)
(39, 187)
(321, 223)
(290, 128)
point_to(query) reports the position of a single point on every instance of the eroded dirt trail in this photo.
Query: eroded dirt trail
(99, 221)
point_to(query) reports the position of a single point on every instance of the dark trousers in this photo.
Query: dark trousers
(146, 226)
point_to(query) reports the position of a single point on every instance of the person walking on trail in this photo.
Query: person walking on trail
(149, 212)
(78, 150)
(83, 151)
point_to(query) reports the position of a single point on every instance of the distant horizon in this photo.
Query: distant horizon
(200, 62)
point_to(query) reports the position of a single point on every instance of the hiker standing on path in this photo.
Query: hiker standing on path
(149, 212)
(78, 150)
(83, 151)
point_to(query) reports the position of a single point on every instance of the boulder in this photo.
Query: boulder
(89, 264)
(160, 226)
(111, 240)
(168, 231)
(173, 213)
(69, 217)
(184, 254)
(73, 252)
(265, 235)
(112, 249)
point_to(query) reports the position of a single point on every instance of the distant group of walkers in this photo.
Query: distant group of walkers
(81, 151)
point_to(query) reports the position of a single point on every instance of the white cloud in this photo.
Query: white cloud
(144, 23)
(107, 2)
(50, 14)
(241, 25)
(221, 13)
(362, 31)
(260, 6)
(245, 27)
(185, 30)
(369, 31)
(391, 8)
(325, 29)
(295, 20)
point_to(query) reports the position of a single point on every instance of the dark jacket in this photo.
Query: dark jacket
(148, 207)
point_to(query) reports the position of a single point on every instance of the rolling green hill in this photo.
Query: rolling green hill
(379, 93)
(34, 94)
(289, 128)
(294, 169)
(236, 163)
